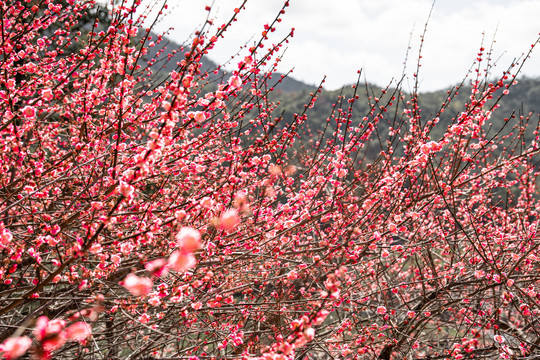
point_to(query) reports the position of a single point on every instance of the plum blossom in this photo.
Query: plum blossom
(181, 261)
(207, 202)
(157, 267)
(126, 189)
(235, 81)
(47, 94)
(381, 310)
(15, 347)
(50, 333)
(188, 239)
(29, 112)
(138, 286)
(198, 116)
(144, 318)
(79, 331)
(5, 236)
(429, 147)
(498, 338)
(309, 333)
(229, 219)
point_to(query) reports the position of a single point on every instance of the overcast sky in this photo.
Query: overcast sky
(336, 38)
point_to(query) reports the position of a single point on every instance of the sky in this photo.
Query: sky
(338, 37)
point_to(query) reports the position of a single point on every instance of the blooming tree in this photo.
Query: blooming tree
(185, 219)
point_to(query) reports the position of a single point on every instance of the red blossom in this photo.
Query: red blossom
(15, 347)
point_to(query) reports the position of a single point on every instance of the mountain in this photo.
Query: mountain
(292, 94)
(167, 64)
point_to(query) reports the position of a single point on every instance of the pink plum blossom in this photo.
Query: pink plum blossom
(229, 219)
(78, 331)
(15, 347)
(138, 286)
(188, 239)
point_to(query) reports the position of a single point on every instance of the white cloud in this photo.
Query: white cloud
(338, 37)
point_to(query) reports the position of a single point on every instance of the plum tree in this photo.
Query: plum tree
(185, 219)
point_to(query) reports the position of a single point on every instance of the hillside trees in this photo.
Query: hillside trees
(180, 220)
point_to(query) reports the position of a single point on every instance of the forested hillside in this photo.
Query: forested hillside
(523, 100)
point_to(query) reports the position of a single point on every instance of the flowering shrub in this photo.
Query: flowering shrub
(179, 220)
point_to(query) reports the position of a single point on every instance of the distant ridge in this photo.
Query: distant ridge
(293, 93)
(165, 65)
